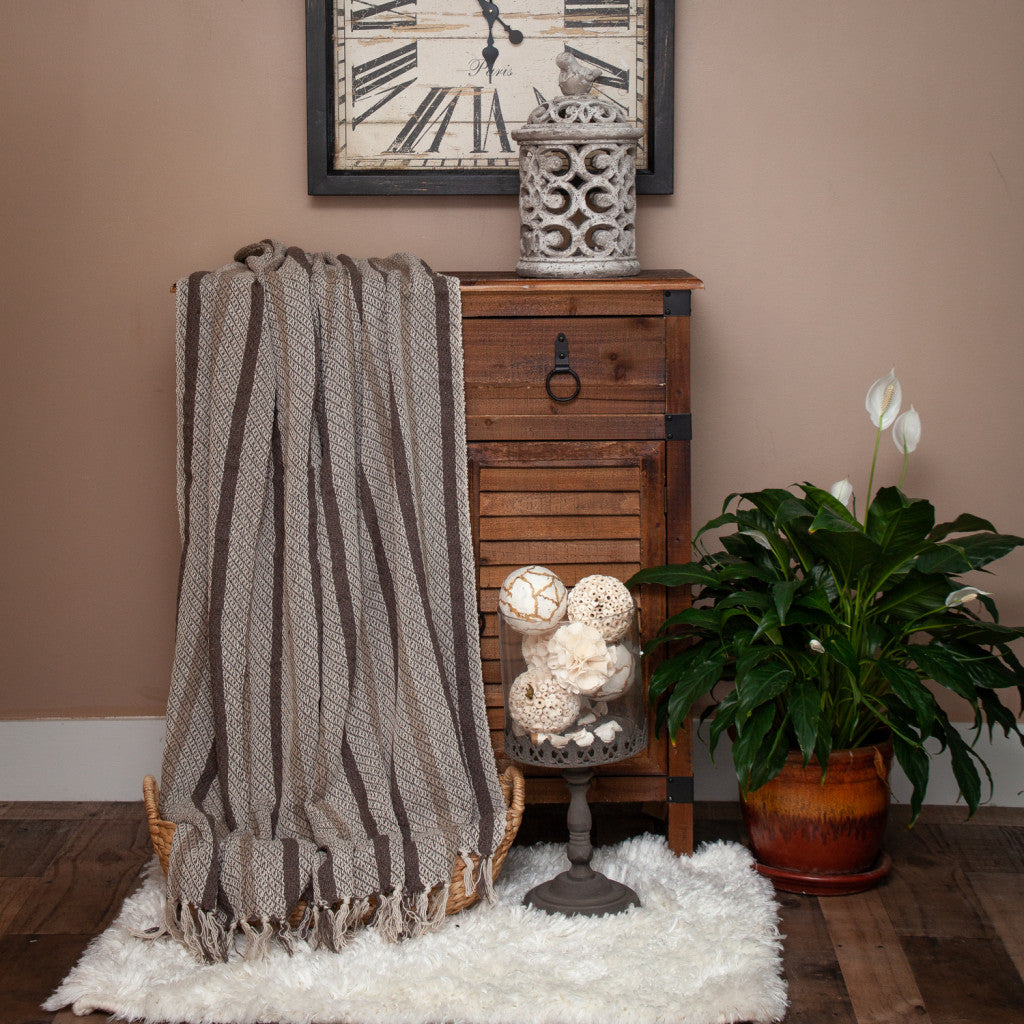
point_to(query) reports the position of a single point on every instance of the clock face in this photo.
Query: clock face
(440, 84)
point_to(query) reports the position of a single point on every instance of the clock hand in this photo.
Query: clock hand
(490, 52)
(492, 14)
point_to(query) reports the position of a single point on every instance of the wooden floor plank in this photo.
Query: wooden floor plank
(966, 980)
(31, 967)
(73, 810)
(85, 885)
(1002, 897)
(817, 992)
(878, 977)
(27, 848)
(928, 892)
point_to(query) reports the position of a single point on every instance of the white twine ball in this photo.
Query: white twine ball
(532, 599)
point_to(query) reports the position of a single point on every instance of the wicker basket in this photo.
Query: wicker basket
(513, 789)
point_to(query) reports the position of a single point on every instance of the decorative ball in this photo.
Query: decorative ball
(540, 704)
(620, 673)
(532, 599)
(578, 658)
(604, 603)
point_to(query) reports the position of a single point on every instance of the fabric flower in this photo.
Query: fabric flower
(906, 431)
(578, 657)
(883, 400)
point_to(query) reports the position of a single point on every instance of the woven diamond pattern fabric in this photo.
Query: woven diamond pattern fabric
(327, 744)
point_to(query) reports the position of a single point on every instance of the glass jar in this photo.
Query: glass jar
(573, 693)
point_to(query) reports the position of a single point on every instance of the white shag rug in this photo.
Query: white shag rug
(703, 949)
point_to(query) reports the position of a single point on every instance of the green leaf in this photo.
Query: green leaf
(907, 687)
(805, 712)
(750, 734)
(848, 552)
(821, 499)
(840, 650)
(761, 684)
(725, 718)
(692, 619)
(914, 761)
(964, 523)
(963, 758)
(973, 551)
(701, 679)
(782, 595)
(914, 596)
(691, 573)
(769, 759)
(945, 667)
(695, 663)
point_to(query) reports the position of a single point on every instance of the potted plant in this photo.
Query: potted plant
(820, 639)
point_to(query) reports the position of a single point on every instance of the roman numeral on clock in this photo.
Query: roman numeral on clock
(482, 127)
(426, 116)
(432, 117)
(374, 15)
(597, 13)
(377, 79)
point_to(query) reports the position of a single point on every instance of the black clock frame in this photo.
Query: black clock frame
(325, 180)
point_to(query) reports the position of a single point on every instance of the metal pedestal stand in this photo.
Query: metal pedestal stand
(581, 889)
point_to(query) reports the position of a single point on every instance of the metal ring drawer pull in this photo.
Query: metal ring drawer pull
(562, 368)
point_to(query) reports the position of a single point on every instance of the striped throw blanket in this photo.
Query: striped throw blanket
(326, 737)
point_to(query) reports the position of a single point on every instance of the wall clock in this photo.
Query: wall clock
(414, 97)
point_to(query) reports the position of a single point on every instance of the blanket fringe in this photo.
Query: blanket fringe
(395, 916)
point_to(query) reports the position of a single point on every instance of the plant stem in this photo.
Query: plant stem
(871, 475)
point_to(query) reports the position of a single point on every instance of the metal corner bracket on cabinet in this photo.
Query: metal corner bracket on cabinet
(677, 302)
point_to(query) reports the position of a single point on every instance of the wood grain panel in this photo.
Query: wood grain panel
(553, 503)
(559, 427)
(512, 472)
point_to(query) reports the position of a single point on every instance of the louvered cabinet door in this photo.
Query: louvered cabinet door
(577, 416)
(578, 508)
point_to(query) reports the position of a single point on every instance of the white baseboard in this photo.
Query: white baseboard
(80, 758)
(107, 758)
(1004, 757)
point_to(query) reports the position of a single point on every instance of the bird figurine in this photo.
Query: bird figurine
(574, 79)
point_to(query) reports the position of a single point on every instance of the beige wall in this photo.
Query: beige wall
(849, 184)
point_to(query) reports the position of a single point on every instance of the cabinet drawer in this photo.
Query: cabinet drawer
(619, 361)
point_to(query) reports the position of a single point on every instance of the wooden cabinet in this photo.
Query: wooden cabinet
(578, 422)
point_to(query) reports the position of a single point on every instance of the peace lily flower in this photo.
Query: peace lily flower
(883, 405)
(958, 597)
(842, 490)
(817, 646)
(906, 431)
(883, 400)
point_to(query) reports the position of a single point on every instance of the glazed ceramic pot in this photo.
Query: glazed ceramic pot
(823, 837)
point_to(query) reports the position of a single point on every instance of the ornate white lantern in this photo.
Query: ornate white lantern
(577, 187)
